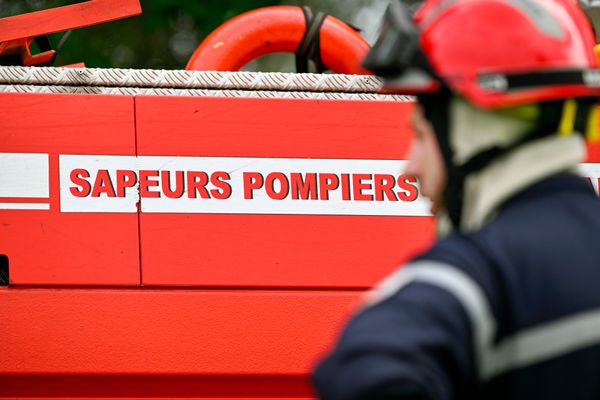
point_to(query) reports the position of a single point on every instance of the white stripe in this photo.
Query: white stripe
(459, 284)
(24, 206)
(526, 348)
(339, 201)
(546, 341)
(24, 175)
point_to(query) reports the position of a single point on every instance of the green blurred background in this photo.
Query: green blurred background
(168, 31)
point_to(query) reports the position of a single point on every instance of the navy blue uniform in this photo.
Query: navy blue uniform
(509, 312)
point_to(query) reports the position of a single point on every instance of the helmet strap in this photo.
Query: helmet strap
(564, 117)
(436, 108)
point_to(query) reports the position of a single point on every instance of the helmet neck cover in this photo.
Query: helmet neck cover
(471, 139)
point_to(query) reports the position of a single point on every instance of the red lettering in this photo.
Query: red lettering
(408, 185)
(345, 186)
(125, 179)
(147, 182)
(77, 177)
(103, 184)
(284, 186)
(327, 182)
(384, 184)
(165, 182)
(223, 189)
(358, 185)
(252, 181)
(303, 188)
(196, 183)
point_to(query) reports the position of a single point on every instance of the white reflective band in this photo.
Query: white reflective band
(528, 347)
(545, 342)
(459, 284)
(24, 206)
(24, 175)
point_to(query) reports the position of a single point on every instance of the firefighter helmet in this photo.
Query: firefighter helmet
(495, 53)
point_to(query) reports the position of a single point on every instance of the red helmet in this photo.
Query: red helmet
(495, 53)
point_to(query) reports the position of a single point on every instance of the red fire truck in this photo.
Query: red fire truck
(193, 233)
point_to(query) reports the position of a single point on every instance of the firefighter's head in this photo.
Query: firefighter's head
(491, 77)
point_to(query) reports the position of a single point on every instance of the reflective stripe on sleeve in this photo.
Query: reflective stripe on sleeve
(544, 342)
(453, 280)
(528, 347)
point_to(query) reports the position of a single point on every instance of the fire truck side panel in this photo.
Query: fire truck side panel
(256, 241)
(164, 342)
(45, 246)
(159, 193)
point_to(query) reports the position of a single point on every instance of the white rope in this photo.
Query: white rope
(180, 79)
(134, 91)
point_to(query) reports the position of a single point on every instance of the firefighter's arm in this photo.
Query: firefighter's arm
(414, 344)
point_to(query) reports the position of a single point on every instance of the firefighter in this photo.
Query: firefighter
(506, 303)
